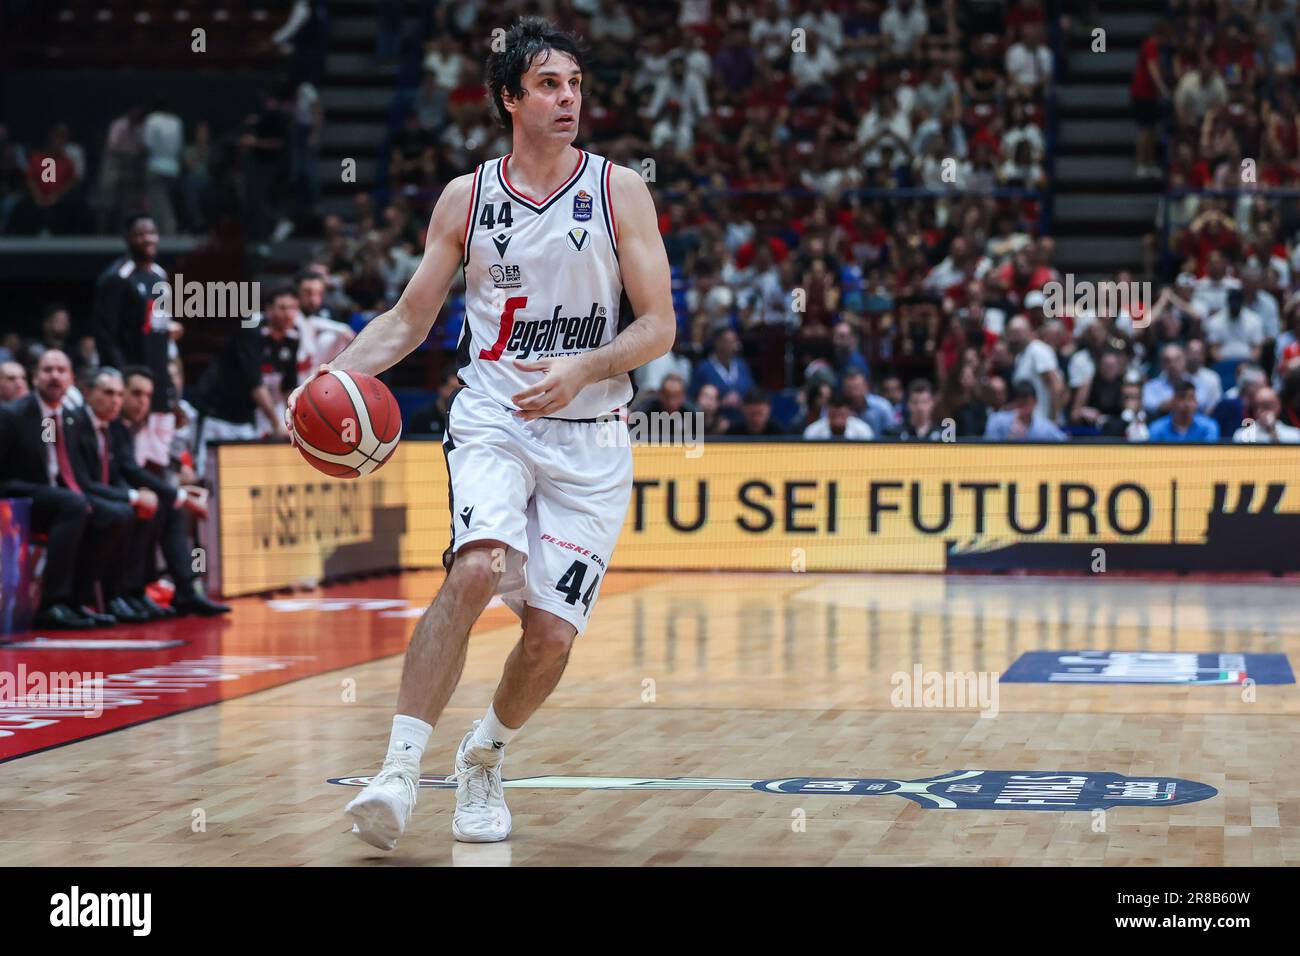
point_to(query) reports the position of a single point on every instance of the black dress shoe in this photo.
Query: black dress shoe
(60, 617)
(156, 610)
(124, 612)
(101, 620)
(199, 604)
(142, 605)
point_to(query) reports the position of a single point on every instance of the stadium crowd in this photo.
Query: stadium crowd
(855, 229)
(817, 292)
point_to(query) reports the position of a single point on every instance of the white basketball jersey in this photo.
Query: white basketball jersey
(541, 279)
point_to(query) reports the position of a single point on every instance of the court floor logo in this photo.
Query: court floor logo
(957, 790)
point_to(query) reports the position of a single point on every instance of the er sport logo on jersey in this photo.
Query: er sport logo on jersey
(958, 790)
(505, 276)
(579, 239)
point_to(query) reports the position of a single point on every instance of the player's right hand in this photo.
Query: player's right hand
(293, 399)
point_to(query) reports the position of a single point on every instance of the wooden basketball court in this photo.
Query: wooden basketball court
(739, 683)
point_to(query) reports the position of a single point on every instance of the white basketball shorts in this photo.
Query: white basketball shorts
(555, 492)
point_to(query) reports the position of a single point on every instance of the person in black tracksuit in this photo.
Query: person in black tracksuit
(129, 325)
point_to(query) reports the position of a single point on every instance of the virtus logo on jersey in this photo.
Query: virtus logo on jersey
(579, 239)
(571, 333)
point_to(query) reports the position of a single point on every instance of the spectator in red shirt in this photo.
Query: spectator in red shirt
(1020, 276)
(1211, 231)
(470, 94)
(1234, 57)
(1147, 90)
(1194, 170)
(1024, 12)
(1281, 125)
(54, 199)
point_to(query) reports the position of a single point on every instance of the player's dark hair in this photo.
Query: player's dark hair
(51, 309)
(918, 385)
(524, 42)
(141, 370)
(280, 290)
(1184, 386)
(838, 399)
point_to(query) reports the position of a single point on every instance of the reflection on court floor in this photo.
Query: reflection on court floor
(730, 718)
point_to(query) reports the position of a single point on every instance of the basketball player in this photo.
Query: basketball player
(560, 249)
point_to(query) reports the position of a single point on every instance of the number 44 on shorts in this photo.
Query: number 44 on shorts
(570, 585)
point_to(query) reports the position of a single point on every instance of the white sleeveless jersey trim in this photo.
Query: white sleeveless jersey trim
(472, 214)
(607, 204)
(503, 176)
(541, 279)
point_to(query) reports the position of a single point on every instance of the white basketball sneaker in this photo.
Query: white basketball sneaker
(380, 813)
(481, 815)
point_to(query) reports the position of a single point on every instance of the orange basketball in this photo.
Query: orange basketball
(347, 424)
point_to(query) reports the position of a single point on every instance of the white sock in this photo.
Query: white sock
(409, 737)
(492, 732)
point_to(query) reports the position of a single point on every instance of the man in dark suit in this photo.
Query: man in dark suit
(112, 483)
(170, 526)
(34, 463)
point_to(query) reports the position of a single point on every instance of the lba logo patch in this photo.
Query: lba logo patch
(582, 206)
(579, 239)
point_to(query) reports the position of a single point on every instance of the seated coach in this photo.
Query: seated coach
(113, 500)
(112, 474)
(34, 463)
(175, 502)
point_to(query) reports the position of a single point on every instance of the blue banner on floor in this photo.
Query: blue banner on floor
(1129, 667)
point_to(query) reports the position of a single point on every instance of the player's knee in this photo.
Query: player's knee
(475, 572)
(547, 642)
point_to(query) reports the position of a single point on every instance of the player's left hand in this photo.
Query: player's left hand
(565, 377)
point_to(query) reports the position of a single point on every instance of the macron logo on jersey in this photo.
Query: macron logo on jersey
(572, 333)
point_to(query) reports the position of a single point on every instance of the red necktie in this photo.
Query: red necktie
(61, 452)
(103, 452)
